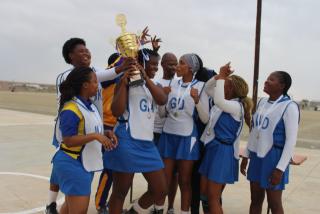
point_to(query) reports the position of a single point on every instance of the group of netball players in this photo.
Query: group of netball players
(183, 129)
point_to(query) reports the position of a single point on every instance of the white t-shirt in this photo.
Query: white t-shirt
(102, 75)
(159, 121)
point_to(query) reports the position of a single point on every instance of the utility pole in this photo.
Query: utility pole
(257, 55)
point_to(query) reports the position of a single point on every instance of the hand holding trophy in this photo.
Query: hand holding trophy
(128, 46)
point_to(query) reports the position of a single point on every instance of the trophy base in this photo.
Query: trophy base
(136, 80)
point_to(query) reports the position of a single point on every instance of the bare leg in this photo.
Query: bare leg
(204, 192)
(172, 191)
(214, 195)
(275, 201)
(185, 172)
(157, 189)
(257, 198)
(121, 185)
(64, 207)
(77, 204)
(54, 187)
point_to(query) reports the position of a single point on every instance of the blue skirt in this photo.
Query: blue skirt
(219, 164)
(70, 175)
(132, 155)
(179, 147)
(260, 169)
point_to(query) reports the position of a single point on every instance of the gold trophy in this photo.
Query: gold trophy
(128, 45)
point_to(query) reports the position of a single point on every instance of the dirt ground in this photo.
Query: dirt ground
(45, 103)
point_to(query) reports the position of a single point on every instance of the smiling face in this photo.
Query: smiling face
(91, 87)
(152, 66)
(169, 65)
(182, 68)
(273, 85)
(80, 56)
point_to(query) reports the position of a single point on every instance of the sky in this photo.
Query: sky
(33, 32)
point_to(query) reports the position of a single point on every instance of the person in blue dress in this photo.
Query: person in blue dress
(179, 145)
(220, 164)
(271, 143)
(80, 137)
(136, 153)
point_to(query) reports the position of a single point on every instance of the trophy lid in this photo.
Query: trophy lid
(121, 21)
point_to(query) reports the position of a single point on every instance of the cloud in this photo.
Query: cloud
(34, 31)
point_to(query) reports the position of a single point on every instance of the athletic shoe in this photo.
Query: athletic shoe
(51, 208)
(170, 211)
(103, 210)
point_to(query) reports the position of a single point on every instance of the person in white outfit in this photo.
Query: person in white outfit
(220, 164)
(271, 143)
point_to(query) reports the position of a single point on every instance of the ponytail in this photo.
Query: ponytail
(241, 89)
(247, 106)
(71, 87)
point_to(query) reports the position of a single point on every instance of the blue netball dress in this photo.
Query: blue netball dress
(179, 139)
(136, 151)
(73, 167)
(219, 163)
(264, 161)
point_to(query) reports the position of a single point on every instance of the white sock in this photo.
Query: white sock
(139, 209)
(158, 207)
(185, 212)
(52, 196)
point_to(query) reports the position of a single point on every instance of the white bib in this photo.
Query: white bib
(91, 154)
(141, 113)
(261, 136)
(158, 121)
(209, 134)
(180, 108)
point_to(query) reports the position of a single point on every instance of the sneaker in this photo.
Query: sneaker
(131, 211)
(51, 208)
(103, 210)
(170, 211)
(157, 211)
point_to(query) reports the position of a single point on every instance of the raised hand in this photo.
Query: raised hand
(143, 38)
(127, 64)
(155, 43)
(225, 71)
(195, 95)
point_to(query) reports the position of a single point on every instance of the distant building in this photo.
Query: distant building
(315, 105)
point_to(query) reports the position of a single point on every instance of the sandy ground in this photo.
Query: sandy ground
(26, 151)
(25, 147)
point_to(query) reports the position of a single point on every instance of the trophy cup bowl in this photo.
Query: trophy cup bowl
(128, 46)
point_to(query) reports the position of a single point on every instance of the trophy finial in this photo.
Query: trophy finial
(122, 22)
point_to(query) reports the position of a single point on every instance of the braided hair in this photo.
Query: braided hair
(284, 78)
(72, 85)
(240, 90)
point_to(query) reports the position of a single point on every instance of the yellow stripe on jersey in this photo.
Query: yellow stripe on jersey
(72, 106)
(107, 97)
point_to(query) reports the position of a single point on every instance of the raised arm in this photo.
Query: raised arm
(229, 106)
(112, 73)
(120, 98)
(202, 104)
(210, 86)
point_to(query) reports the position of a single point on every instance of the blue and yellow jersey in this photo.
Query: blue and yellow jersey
(107, 97)
(72, 123)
